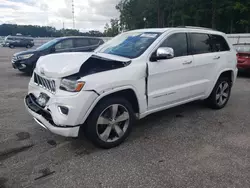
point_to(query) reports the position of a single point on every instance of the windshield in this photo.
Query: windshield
(131, 44)
(48, 44)
(242, 48)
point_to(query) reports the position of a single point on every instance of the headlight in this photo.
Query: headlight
(71, 85)
(27, 56)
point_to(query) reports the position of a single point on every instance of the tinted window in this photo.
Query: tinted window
(65, 44)
(81, 42)
(178, 42)
(201, 43)
(219, 43)
(93, 41)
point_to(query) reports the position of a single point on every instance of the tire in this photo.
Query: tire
(28, 46)
(102, 131)
(11, 46)
(218, 99)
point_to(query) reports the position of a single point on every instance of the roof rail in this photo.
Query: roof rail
(195, 27)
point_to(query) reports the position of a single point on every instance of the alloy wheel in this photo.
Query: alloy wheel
(222, 93)
(112, 123)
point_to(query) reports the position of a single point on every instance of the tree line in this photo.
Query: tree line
(229, 16)
(43, 31)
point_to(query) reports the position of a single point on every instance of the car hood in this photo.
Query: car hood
(66, 64)
(26, 52)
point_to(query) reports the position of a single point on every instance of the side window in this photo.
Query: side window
(93, 41)
(81, 43)
(178, 42)
(201, 43)
(219, 44)
(65, 44)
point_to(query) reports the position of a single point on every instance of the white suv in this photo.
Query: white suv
(131, 76)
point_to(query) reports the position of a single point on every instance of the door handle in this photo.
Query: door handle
(187, 62)
(216, 57)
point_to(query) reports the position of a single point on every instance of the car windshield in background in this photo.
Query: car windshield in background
(48, 44)
(131, 44)
(242, 48)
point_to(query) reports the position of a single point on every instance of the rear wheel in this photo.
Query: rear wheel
(110, 123)
(11, 46)
(28, 46)
(220, 94)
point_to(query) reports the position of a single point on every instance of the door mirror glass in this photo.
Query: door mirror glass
(164, 53)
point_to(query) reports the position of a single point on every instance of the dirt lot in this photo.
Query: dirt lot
(188, 146)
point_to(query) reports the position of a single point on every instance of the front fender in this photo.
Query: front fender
(105, 93)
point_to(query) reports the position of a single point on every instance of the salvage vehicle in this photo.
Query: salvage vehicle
(135, 74)
(26, 61)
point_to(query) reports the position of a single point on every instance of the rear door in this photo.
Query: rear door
(65, 45)
(210, 53)
(81, 45)
(204, 62)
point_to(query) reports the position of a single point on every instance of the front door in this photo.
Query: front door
(169, 80)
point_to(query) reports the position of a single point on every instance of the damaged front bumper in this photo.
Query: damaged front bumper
(44, 118)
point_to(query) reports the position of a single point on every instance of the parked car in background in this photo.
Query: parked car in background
(133, 75)
(26, 61)
(18, 41)
(243, 56)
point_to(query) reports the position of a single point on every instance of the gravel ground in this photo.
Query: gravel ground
(187, 146)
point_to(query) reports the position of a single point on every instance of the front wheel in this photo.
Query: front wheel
(220, 94)
(110, 123)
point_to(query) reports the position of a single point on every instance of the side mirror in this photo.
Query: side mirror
(164, 53)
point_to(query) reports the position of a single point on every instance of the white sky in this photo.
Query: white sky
(89, 14)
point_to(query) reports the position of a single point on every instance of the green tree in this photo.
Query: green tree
(112, 29)
(225, 15)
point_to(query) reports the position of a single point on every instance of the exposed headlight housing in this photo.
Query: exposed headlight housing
(26, 56)
(71, 85)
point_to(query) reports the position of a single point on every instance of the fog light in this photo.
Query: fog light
(63, 110)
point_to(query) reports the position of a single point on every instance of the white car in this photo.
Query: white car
(135, 74)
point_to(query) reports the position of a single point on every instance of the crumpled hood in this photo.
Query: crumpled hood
(65, 64)
(61, 64)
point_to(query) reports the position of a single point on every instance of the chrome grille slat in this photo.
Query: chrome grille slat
(45, 83)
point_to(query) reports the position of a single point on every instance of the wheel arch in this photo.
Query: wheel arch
(224, 73)
(128, 92)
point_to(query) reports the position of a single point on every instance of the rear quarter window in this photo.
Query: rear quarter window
(219, 44)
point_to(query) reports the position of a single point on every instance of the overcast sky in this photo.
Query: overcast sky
(89, 14)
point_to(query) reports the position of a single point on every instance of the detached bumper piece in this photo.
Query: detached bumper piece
(44, 118)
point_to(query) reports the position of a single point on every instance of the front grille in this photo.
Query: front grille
(45, 83)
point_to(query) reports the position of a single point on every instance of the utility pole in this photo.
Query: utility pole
(73, 13)
(63, 29)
